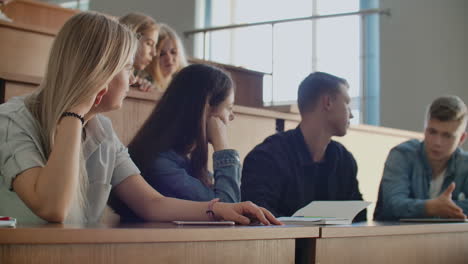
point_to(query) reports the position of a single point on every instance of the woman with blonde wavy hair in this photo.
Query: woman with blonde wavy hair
(60, 158)
(147, 33)
(170, 58)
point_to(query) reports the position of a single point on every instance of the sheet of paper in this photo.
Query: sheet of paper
(306, 218)
(338, 209)
(434, 220)
(204, 222)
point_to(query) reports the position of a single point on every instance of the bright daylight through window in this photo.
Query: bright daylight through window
(288, 52)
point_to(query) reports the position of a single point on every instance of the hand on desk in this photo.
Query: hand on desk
(443, 206)
(244, 213)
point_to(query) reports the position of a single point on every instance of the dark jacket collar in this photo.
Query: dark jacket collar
(304, 155)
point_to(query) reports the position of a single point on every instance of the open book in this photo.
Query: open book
(6, 221)
(328, 212)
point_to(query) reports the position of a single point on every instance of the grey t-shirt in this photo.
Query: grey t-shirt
(107, 160)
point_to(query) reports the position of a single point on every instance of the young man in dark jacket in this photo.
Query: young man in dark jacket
(293, 168)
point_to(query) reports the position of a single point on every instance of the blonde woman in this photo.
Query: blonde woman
(60, 158)
(147, 33)
(169, 60)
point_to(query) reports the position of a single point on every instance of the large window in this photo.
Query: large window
(288, 52)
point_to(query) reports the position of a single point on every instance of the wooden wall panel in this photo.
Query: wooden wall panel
(38, 14)
(128, 119)
(16, 89)
(249, 87)
(246, 131)
(249, 83)
(23, 51)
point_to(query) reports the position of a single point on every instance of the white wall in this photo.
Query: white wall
(424, 54)
(179, 14)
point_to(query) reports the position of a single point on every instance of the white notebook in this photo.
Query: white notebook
(6, 221)
(328, 212)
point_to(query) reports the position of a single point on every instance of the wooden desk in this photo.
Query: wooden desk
(151, 243)
(392, 243)
(167, 243)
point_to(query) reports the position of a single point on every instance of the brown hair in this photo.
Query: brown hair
(448, 108)
(178, 122)
(139, 23)
(166, 33)
(314, 86)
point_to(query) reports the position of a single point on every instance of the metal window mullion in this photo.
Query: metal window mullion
(363, 12)
(232, 34)
(314, 37)
(272, 63)
(362, 63)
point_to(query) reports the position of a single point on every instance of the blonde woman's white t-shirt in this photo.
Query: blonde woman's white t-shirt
(107, 160)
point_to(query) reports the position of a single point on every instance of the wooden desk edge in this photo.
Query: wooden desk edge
(20, 78)
(28, 28)
(388, 230)
(144, 235)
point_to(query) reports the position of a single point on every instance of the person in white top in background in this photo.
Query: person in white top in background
(147, 31)
(170, 58)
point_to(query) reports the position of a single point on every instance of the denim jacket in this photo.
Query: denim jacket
(406, 180)
(170, 174)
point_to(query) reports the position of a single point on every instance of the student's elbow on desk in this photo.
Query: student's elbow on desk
(41, 201)
(53, 215)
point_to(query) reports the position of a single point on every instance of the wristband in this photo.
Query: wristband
(210, 211)
(74, 115)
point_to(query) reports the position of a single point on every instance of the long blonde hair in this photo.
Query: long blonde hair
(166, 33)
(87, 53)
(139, 23)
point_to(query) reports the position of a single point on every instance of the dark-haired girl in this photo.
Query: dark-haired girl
(171, 148)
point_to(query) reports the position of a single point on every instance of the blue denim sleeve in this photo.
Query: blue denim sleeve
(396, 189)
(227, 174)
(463, 205)
(168, 177)
(461, 185)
